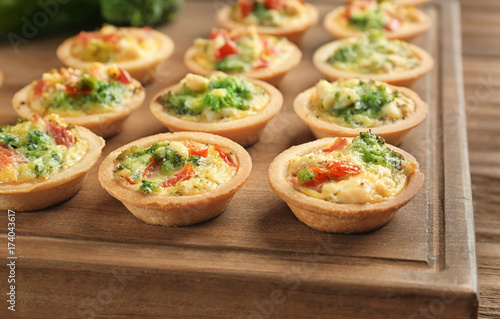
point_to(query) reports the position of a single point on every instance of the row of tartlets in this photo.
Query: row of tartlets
(153, 175)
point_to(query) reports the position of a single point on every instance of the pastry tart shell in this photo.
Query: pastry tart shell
(103, 124)
(177, 210)
(245, 131)
(142, 69)
(406, 78)
(58, 187)
(293, 33)
(332, 24)
(392, 133)
(405, 3)
(334, 217)
(271, 75)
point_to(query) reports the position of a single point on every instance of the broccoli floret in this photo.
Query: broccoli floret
(8, 139)
(148, 187)
(305, 175)
(374, 151)
(139, 13)
(232, 65)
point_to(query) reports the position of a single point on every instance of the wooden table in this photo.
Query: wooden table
(481, 60)
(481, 47)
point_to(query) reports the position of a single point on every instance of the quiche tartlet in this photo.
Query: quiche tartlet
(99, 97)
(137, 50)
(344, 185)
(373, 57)
(346, 107)
(396, 22)
(44, 162)
(403, 3)
(243, 52)
(176, 179)
(282, 18)
(229, 106)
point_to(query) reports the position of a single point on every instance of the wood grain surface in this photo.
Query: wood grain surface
(481, 59)
(94, 284)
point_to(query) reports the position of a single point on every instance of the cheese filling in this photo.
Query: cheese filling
(241, 50)
(378, 15)
(220, 98)
(114, 44)
(365, 171)
(32, 151)
(175, 168)
(359, 103)
(269, 13)
(72, 92)
(373, 54)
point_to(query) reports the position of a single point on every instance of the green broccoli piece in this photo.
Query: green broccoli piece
(374, 151)
(305, 175)
(148, 187)
(139, 13)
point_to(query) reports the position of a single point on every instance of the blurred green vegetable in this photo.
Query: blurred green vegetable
(139, 13)
(30, 18)
(22, 20)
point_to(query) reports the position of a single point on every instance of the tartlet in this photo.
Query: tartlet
(353, 216)
(181, 198)
(403, 3)
(271, 59)
(396, 110)
(290, 19)
(146, 49)
(418, 64)
(99, 97)
(396, 22)
(244, 119)
(48, 171)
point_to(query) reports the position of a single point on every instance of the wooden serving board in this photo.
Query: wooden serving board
(89, 257)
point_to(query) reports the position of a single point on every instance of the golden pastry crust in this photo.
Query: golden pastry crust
(406, 78)
(334, 217)
(392, 133)
(245, 131)
(141, 69)
(293, 33)
(58, 187)
(177, 210)
(270, 75)
(102, 124)
(1, 78)
(335, 24)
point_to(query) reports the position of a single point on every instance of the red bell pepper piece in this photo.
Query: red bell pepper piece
(224, 155)
(185, 174)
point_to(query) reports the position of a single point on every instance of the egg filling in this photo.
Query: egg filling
(373, 54)
(241, 50)
(175, 168)
(114, 44)
(269, 13)
(220, 98)
(378, 15)
(32, 151)
(364, 171)
(72, 92)
(359, 103)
